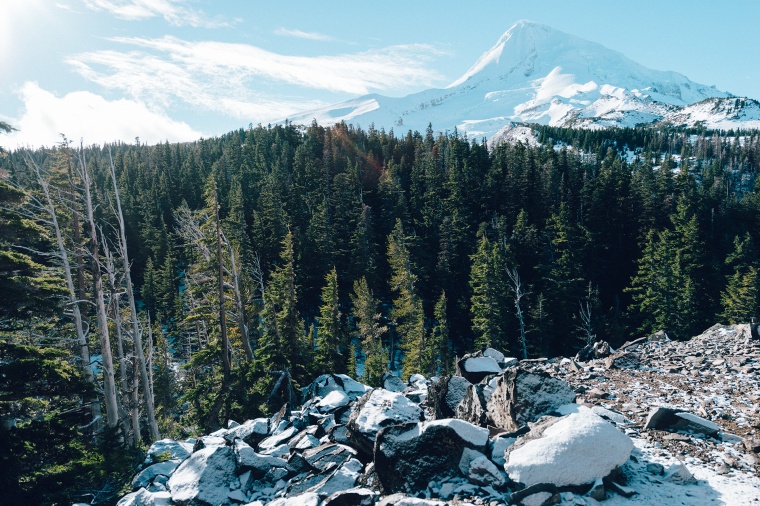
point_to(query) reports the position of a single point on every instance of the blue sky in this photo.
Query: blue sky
(107, 70)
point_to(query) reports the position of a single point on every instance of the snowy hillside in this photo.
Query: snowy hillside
(540, 75)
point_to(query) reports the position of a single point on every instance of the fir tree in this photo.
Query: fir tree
(741, 298)
(331, 353)
(407, 313)
(369, 332)
(489, 301)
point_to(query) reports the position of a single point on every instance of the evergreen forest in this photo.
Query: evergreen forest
(151, 291)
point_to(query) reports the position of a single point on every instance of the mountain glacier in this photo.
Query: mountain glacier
(536, 74)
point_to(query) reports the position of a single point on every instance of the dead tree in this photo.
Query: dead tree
(109, 382)
(136, 335)
(514, 278)
(51, 218)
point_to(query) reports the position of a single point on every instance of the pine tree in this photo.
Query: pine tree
(489, 302)
(741, 298)
(369, 332)
(439, 348)
(407, 313)
(283, 341)
(331, 351)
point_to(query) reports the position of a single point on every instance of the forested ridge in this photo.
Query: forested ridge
(337, 250)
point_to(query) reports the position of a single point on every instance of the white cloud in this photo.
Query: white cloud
(172, 11)
(285, 32)
(92, 118)
(229, 77)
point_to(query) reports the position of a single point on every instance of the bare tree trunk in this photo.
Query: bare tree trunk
(135, 404)
(149, 407)
(114, 301)
(84, 348)
(242, 321)
(109, 382)
(514, 277)
(149, 390)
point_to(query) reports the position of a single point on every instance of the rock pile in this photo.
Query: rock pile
(501, 431)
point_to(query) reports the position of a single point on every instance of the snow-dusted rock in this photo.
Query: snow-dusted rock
(251, 431)
(327, 383)
(498, 445)
(514, 398)
(275, 441)
(407, 457)
(247, 459)
(205, 477)
(405, 500)
(147, 475)
(305, 499)
(175, 450)
(142, 497)
(357, 496)
(674, 420)
(623, 360)
(417, 391)
(303, 442)
(572, 450)
(392, 382)
(329, 456)
(478, 469)
(680, 474)
(494, 354)
(377, 409)
(237, 496)
(475, 368)
(476, 436)
(344, 477)
(445, 394)
(208, 442)
(333, 401)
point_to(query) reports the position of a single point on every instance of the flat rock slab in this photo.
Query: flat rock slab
(674, 420)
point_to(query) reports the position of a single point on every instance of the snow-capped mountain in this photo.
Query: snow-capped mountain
(537, 74)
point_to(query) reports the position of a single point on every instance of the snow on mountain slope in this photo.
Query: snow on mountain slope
(536, 74)
(725, 114)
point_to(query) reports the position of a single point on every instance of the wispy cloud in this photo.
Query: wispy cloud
(299, 34)
(173, 11)
(233, 78)
(90, 117)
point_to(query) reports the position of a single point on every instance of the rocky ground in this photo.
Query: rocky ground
(715, 375)
(654, 422)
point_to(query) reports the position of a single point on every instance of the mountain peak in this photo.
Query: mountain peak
(537, 74)
(527, 42)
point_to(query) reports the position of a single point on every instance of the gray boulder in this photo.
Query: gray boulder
(147, 475)
(174, 450)
(392, 382)
(375, 410)
(352, 497)
(475, 367)
(573, 450)
(204, 478)
(408, 457)
(514, 398)
(252, 431)
(144, 498)
(248, 459)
